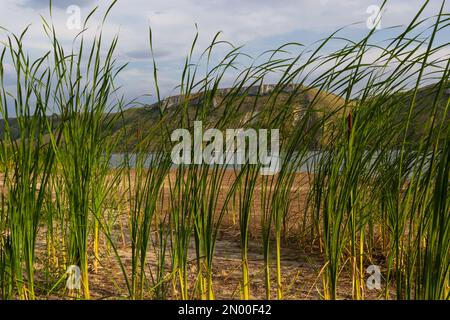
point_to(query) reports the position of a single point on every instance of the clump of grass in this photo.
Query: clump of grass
(27, 161)
(82, 97)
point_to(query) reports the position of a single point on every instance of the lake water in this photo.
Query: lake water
(118, 159)
(309, 161)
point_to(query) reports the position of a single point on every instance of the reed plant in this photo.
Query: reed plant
(374, 115)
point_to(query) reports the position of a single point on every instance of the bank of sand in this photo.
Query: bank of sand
(301, 257)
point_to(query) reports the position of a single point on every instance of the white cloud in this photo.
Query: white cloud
(173, 24)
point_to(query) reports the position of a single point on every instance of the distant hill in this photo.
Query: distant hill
(248, 106)
(252, 101)
(240, 108)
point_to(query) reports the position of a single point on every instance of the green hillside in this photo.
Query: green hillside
(247, 107)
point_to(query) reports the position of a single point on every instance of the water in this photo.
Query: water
(309, 161)
(118, 159)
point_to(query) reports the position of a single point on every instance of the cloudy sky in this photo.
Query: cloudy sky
(260, 25)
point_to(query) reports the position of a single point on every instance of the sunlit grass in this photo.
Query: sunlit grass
(378, 185)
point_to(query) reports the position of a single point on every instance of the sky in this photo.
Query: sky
(258, 25)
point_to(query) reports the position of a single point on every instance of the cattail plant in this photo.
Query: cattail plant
(369, 119)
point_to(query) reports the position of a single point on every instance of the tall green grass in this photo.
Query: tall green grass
(378, 188)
